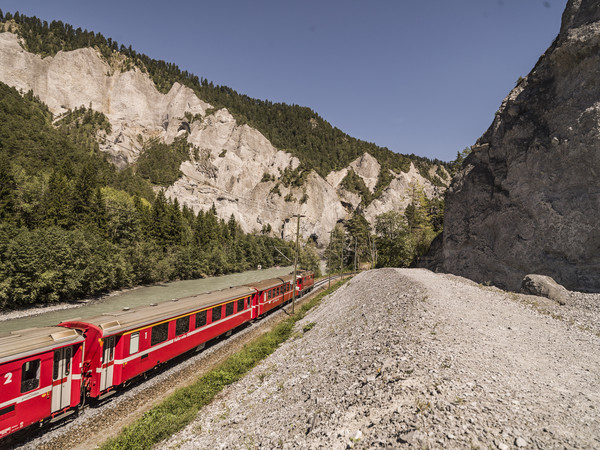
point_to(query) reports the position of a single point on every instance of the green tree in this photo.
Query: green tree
(456, 165)
(7, 190)
(395, 247)
(85, 187)
(58, 201)
(359, 231)
(335, 249)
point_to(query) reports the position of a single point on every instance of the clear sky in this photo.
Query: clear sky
(418, 76)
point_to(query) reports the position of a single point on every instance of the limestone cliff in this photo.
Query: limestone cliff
(231, 160)
(527, 199)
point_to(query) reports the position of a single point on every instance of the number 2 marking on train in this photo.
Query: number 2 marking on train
(8, 378)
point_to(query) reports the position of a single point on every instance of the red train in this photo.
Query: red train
(48, 372)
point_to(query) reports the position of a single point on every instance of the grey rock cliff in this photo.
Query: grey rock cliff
(527, 199)
(231, 159)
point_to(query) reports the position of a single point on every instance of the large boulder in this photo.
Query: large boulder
(544, 286)
(527, 199)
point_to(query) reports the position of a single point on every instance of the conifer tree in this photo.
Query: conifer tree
(7, 190)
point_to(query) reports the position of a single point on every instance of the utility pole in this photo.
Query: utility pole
(355, 242)
(329, 259)
(342, 255)
(295, 284)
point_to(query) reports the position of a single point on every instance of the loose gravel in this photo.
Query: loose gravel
(409, 358)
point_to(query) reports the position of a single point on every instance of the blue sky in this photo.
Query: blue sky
(423, 77)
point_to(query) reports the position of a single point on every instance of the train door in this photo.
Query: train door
(256, 299)
(61, 378)
(108, 356)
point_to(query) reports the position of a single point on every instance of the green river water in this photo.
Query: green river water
(142, 296)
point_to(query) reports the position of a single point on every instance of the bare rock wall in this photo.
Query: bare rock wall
(527, 199)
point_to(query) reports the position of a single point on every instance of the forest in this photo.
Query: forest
(395, 240)
(73, 226)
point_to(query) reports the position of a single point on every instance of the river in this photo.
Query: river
(142, 296)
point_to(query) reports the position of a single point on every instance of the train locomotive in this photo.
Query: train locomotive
(49, 372)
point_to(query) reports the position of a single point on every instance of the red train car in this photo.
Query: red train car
(125, 344)
(40, 373)
(45, 371)
(275, 292)
(270, 294)
(306, 281)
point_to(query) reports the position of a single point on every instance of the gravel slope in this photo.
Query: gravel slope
(406, 357)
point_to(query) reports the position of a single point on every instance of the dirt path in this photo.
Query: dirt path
(406, 357)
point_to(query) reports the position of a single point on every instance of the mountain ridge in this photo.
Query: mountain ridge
(60, 37)
(220, 145)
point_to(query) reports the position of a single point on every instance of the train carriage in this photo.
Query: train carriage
(125, 344)
(44, 372)
(40, 374)
(306, 281)
(270, 294)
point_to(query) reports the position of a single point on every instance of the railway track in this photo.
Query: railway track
(101, 420)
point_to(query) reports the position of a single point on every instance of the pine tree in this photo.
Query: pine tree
(85, 185)
(7, 190)
(58, 201)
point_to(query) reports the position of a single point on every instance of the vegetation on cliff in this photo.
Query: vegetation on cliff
(296, 129)
(396, 240)
(72, 225)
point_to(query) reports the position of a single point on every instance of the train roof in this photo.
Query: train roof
(271, 282)
(30, 341)
(126, 320)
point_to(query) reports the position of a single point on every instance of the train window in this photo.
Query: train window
(30, 375)
(68, 355)
(6, 410)
(134, 343)
(160, 333)
(229, 309)
(269, 295)
(216, 313)
(240, 304)
(182, 325)
(200, 319)
(55, 371)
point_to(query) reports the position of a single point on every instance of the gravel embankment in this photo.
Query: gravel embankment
(406, 357)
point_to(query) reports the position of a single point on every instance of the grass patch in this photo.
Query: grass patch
(308, 326)
(178, 410)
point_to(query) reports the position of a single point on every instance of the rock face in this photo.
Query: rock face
(81, 77)
(231, 159)
(527, 199)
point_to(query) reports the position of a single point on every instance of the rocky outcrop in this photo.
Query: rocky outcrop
(228, 166)
(129, 99)
(527, 199)
(398, 195)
